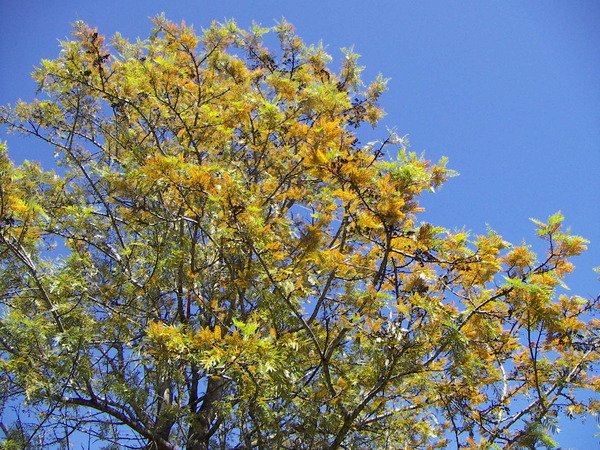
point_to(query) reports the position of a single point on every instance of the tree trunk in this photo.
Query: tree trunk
(201, 425)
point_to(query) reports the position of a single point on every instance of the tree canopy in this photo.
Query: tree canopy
(217, 261)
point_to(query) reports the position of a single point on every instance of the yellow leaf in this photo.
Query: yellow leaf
(367, 221)
(273, 333)
(18, 205)
(273, 246)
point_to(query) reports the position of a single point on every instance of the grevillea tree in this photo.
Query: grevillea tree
(216, 261)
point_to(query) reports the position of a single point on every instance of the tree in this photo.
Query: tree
(218, 262)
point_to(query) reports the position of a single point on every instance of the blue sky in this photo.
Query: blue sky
(508, 90)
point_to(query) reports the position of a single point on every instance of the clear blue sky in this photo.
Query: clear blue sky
(509, 90)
